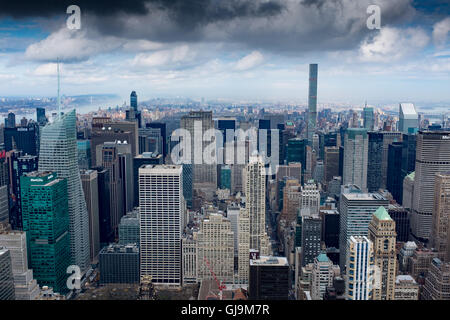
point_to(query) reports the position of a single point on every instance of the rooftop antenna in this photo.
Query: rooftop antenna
(59, 97)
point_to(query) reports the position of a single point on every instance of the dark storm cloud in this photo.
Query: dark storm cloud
(184, 12)
(282, 26)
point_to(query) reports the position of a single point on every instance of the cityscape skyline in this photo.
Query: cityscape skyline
(225, 150)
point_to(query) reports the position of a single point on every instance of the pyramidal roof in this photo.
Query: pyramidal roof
(382, 214)
(322, 258)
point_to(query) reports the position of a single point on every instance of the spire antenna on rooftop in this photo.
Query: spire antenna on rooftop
(59, 97)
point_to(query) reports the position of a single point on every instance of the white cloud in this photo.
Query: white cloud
(440, 32)
(249, 61)
(170, 57)
(70, 45)
(392, 44)
(47, 69)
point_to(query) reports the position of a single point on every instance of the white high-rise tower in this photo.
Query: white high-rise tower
(161, 216)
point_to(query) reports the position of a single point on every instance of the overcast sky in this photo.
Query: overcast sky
(238, 49)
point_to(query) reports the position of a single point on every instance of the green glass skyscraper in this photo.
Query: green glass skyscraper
(46, 222)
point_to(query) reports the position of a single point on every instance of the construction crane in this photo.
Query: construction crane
(221, 286)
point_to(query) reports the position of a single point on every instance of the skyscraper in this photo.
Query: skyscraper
(355, 157)
(432, 156)
(89, 180)
(440, 233)
(215, 249)
(41, 119)
(45, 214)
(269, 278)
(255, 192)
(26, 288)
(383, 236)
(161, 216)
(322, 276)
(312, 102)
(408, 117)
(360, 261)
(368, 118)
(58, 154)
(6, 276)
(394, 181)
(356, 210)
(204, 175)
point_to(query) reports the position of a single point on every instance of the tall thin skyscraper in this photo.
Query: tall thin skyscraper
(89, 179)
(355, 157)
(312, 102)
(432, 156)
(383, 236)
(359, 285)
(368, 118)
(440, 234)
(255, 192)
(58, 153)
(161, 216)
(204, 175)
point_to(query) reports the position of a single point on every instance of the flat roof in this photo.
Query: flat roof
(269, 261)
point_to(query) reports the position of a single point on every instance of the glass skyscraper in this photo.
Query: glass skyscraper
(58, 154)
(46, 222)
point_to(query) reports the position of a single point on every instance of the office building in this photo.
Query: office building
(375, 159)
(163, 132)
(401, 217)
(355, 157)
(161, 211)
(360, 273)
(204, 175)
(189, 259)
(330, 227)
(129, 228)
(408, 117)
(440, 233)
(437, 281)
(215, 249)
(107, 130)
(243, 246)
(268, 278)
(432, 156)
(6, 276)
(233, 212)
(255, 192)
(46, 215)
(22, 138)
(368, 118)
(382, 235)
(356, 210)
(20, 165)
(89, 181)
(408, 191)
(311, 229)
(10, 121)
(322, 276)
(138, 161)
(406, 288)
(41, 119)
(58, 154)
(104, 212)
(312, 102)
(394, 180)
(119, 264)
(84, 154)
(331, 163)
(25, 287)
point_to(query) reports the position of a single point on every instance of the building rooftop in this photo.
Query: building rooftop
(382, 214)
(269, 261)
(322, 258)
(408, 110)
(404, 278)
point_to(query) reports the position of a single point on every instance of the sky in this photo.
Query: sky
(231, 49)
